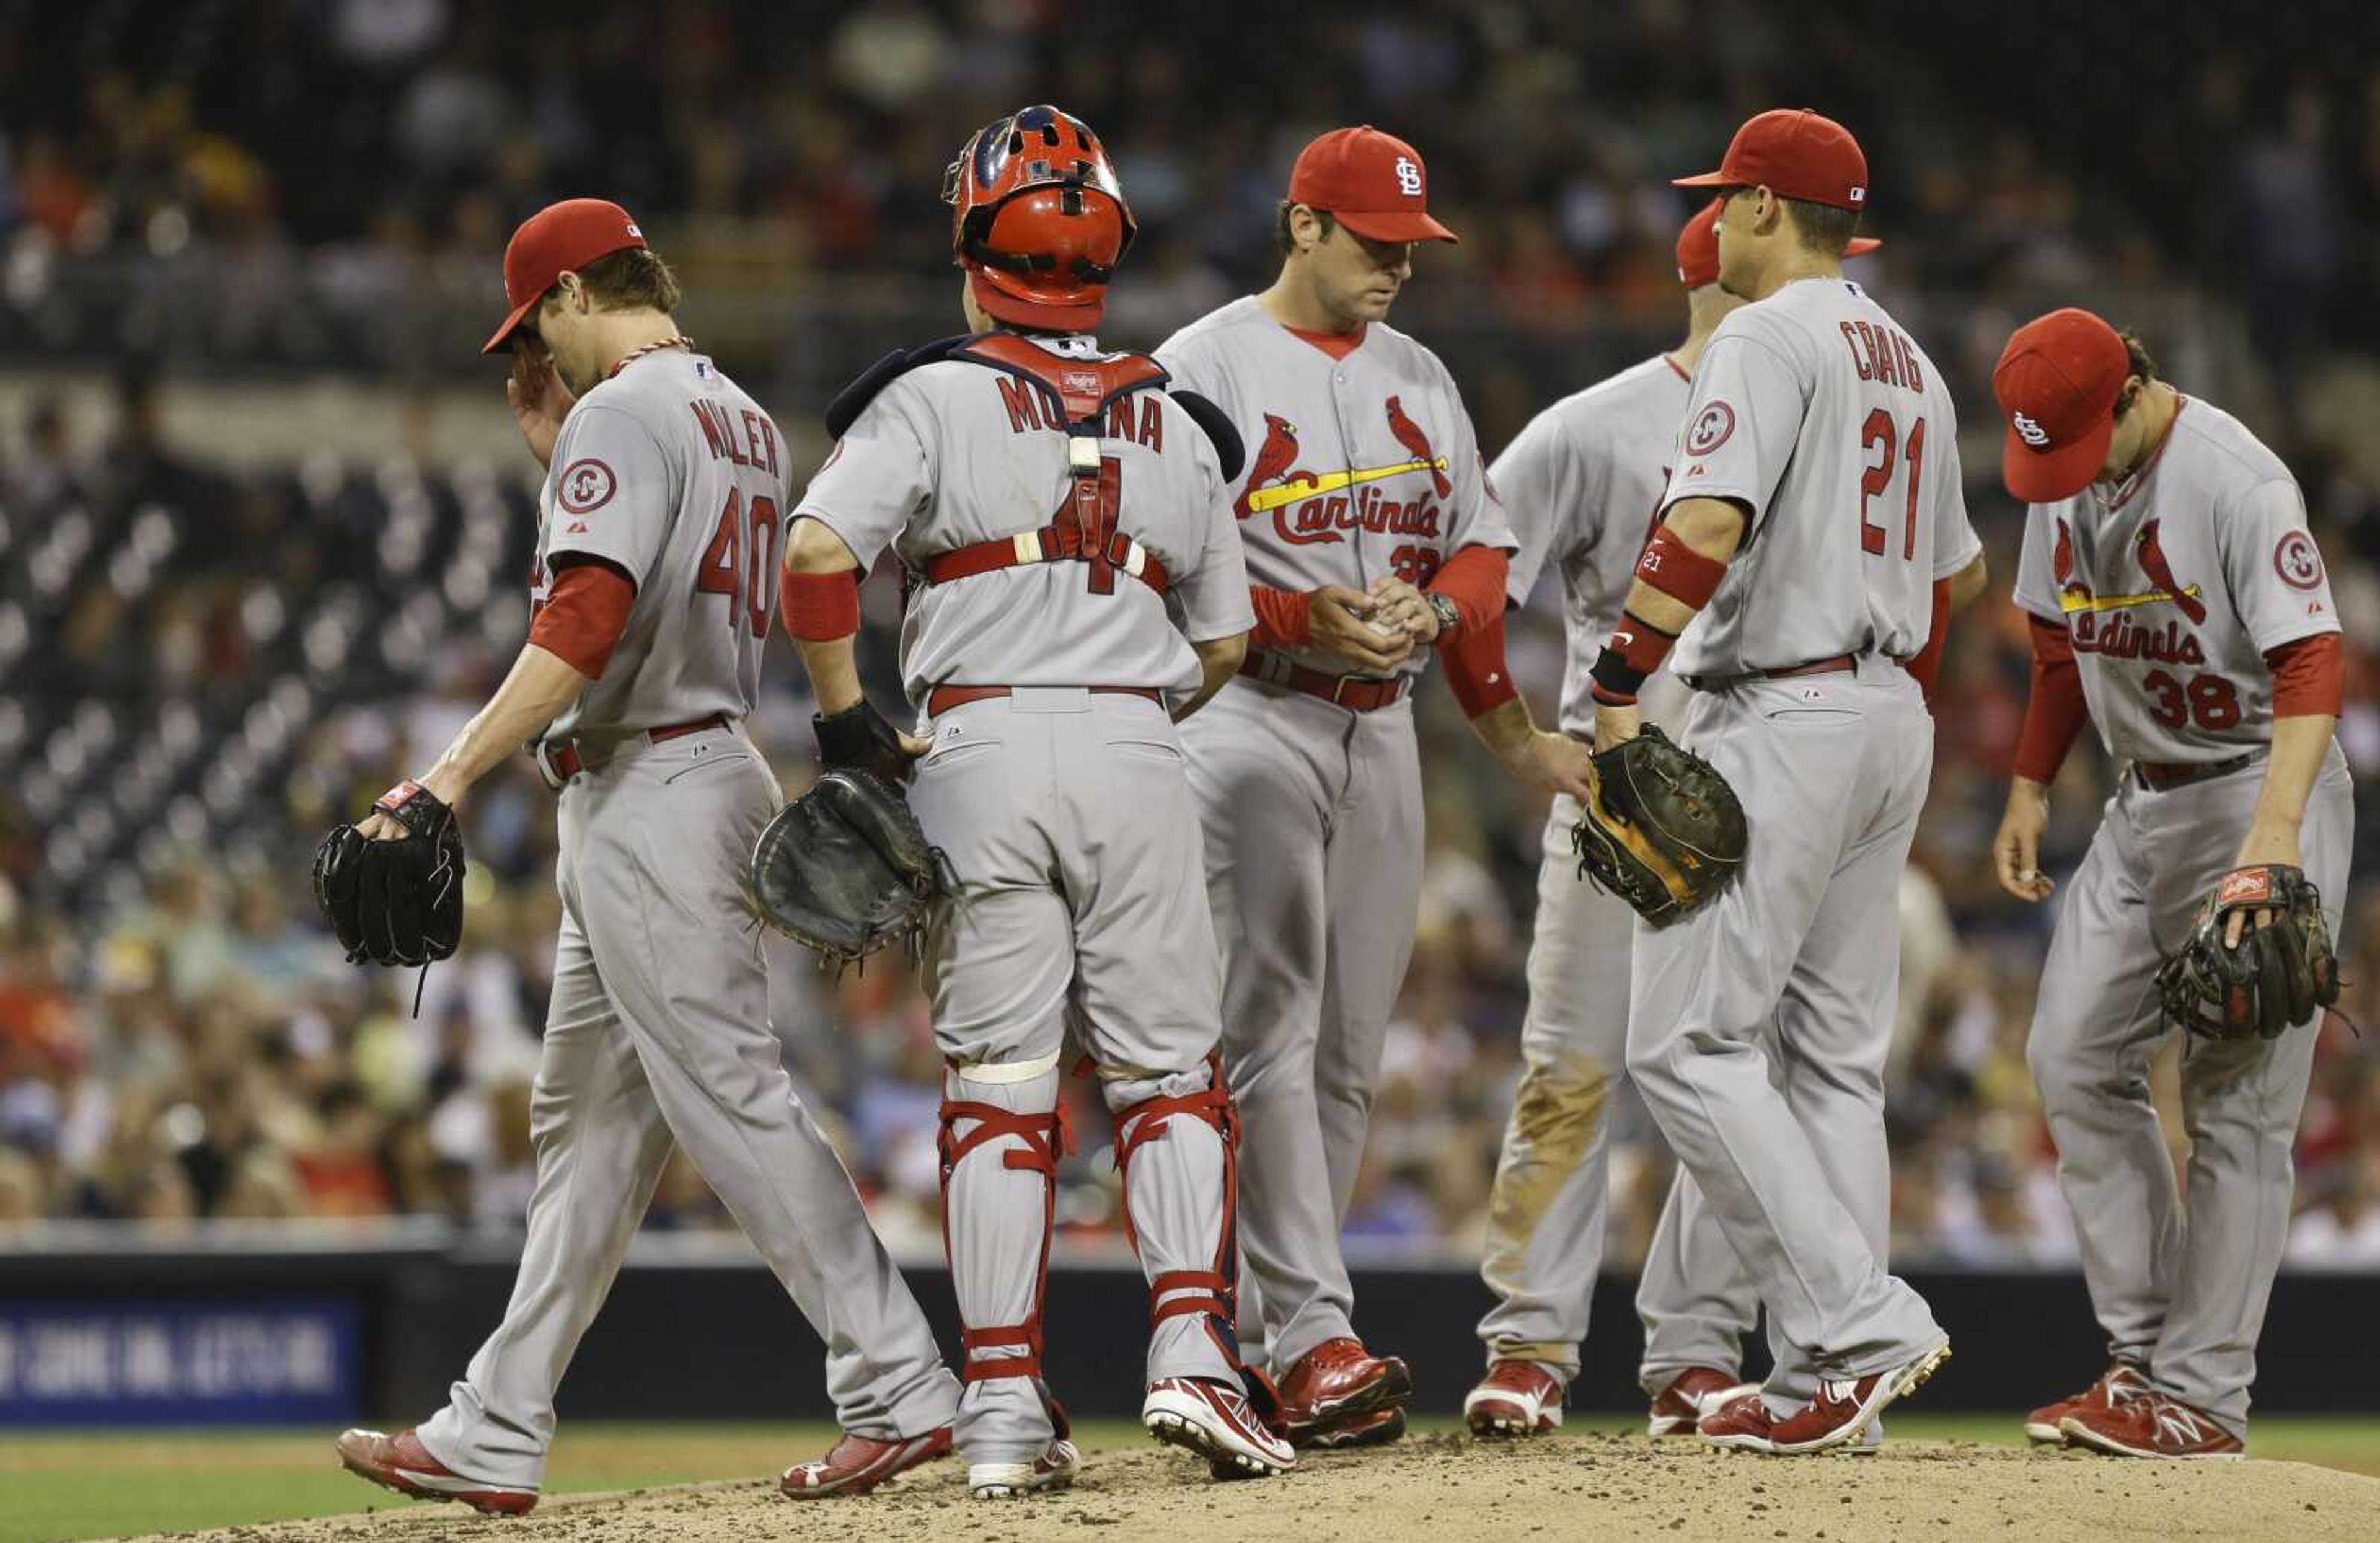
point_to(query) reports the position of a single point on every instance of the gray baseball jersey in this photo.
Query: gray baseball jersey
(1818, 413)
(1814, 400)
(1361, 462)
(1067, 816)
(669, 473)
(658, 1033)
(1582, 484)
(953, 453)
(2174, 585)
(1356, 466)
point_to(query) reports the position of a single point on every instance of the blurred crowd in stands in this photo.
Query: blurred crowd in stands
(202, 669)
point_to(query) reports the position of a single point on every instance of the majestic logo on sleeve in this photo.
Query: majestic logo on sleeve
(585, 485)
(2297, 562)
(1710, 430)
(2028, 431)
(1308, 506)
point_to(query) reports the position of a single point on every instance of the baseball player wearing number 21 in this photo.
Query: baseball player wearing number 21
(1813, 540)
(656, 533)
(2177, 602)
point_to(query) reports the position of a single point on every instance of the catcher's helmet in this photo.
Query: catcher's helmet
(1037, 219)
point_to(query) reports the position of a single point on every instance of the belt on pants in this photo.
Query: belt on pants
(1835, 665)
(2161, 776)
(1355, 693)
(558, 761)
(941, 698)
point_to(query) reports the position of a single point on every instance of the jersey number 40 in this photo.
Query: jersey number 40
(1880, 431)
(742, 557)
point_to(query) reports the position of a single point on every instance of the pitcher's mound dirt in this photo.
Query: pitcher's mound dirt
(1451, 1490)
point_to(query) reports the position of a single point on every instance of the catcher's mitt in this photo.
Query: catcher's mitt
(396, 902)
(2273, 977)
(844, 868)
(1664, 831)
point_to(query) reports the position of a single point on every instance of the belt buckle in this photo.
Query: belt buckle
(1339, 690)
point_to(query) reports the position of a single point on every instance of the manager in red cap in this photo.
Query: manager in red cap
(1372, 536)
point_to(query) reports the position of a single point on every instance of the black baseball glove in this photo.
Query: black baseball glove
(1664, 831)
(396, 902)
(2273, 977)
(845, 869)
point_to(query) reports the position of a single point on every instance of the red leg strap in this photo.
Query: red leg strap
(1202, 1290)
(1028, 1365)
(1047, 1137)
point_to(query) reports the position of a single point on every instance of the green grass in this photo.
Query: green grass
(67, 1484)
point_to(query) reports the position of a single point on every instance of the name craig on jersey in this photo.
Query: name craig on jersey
(1881, 352)
(2116, 636)
(1328, 518)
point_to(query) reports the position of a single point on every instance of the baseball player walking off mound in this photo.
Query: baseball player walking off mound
(644, 657)
(1812, 528)
(2177, 602)
(1581, 485)
(1041, 649)
(1370, 530)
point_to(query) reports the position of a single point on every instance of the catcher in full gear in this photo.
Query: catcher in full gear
(1047, 657)
(2177, 602)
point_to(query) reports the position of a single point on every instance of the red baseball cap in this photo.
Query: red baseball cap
(1698, 247)
(1370, 182)
(2057, 384)
(568, 235)
(1796, 154)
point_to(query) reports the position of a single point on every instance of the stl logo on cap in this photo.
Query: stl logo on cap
(1408, 176)
(2028, 431)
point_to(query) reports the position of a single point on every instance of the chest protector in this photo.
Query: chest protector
(1077, 393)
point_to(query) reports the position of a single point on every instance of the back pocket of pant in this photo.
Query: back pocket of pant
(733, 757)
(1165, 752)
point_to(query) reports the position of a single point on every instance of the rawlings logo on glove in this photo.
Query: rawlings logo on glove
(2274, 978)
(398, 902)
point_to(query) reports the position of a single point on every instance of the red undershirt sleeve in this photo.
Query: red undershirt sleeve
(1473, 579)
(1475, 670)
(2057, 709)
(1928, 664)
(1282, 621)
(583, 616)
(2309, 677)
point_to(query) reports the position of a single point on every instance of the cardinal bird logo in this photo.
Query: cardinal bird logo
(2073, 594)
(2160, 572)
(1273, 460)
(1409, 434)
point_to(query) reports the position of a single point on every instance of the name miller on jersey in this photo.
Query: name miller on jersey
(758, 449)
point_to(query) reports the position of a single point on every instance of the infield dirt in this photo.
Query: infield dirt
(1448, 1488)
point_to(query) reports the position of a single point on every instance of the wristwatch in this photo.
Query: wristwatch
(1448, 616)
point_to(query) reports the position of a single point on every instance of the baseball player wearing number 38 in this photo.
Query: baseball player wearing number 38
(643, 659)
(2177, 602)
(1815, 534)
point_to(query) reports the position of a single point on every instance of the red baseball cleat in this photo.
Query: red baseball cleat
(1694, 1393)
(1845, 1408)
(859, 1463)
(1516, 1398)
(2119, 1384)
(401, 1462)
(1741, 1424)
(1375, 1429)
(1340, 1389)
(2151, 1425)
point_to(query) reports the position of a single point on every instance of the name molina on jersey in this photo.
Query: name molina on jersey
(1028, 412)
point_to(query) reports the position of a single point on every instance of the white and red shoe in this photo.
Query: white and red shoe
(401, 1462)
(1692, 1393)
(1844, 1408)
(2153, 1425)
(2119, 1384)
(858, 1463)
(1516, 1398)
(1741, 1424)
(1054, 1469)
(1215, 1420)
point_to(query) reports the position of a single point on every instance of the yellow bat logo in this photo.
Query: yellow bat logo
(1263, 499)
(2071, 601)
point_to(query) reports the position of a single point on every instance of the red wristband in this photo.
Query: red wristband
(1678, 571)
(820, 607)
